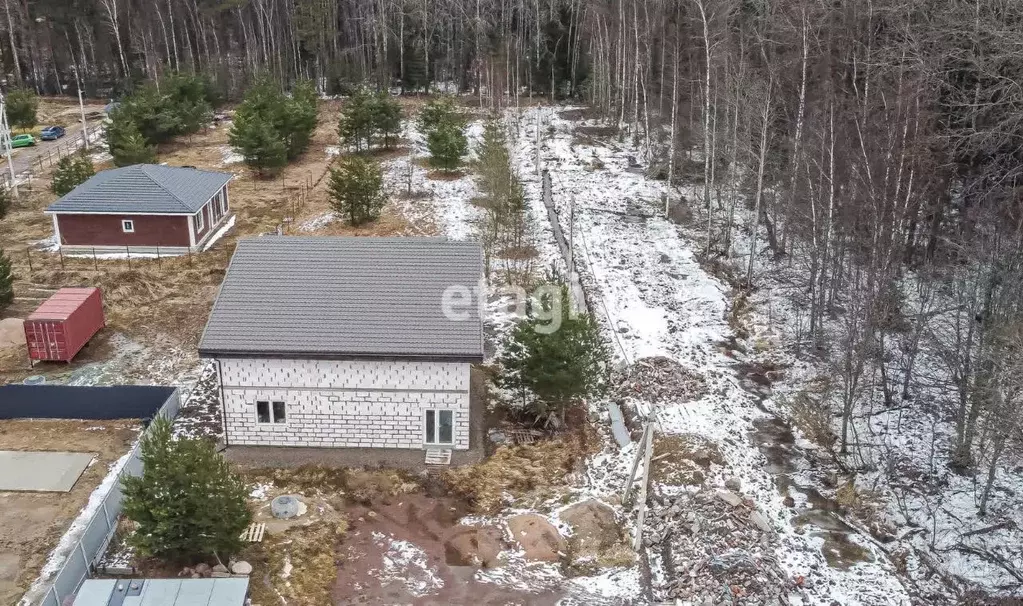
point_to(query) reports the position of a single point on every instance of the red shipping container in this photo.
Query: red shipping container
(64, 323)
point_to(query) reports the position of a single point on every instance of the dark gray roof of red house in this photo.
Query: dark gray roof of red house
(143, 189)
(355, 297)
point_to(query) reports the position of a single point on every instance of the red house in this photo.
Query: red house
(144, 208)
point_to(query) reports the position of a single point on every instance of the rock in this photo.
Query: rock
(733, 484)
(241, 567)
(729, 497)
(196, 575)
(594, 528)
(185, 572)
(217, 568)
(538, 537)
(475, 545)
(760, 521)
(216, 574)
(202, 569)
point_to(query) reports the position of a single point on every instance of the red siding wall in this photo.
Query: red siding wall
(105, 230)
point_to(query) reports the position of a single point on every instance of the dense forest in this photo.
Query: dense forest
(875, 142)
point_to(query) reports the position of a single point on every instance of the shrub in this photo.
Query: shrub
(187, 502)
(6, 280)
(5, 201)
(71, 171)
(356, 190)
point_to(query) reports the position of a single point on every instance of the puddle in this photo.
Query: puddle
(814, 513)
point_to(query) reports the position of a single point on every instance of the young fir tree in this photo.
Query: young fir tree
(387, 116)
(549, 365)
(356, 124)
(72, 170)
(447, 144)
(355, 189)
(438, 112)
(127, 145)
(22, 104)
(6, 280)
(187, 502)
(258, 143)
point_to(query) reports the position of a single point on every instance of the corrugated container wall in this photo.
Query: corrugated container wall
(64, 323)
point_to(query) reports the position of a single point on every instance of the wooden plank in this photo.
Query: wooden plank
(640, 518)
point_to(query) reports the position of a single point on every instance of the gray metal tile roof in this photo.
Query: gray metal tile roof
(163, 592)
(294, 296)
(143, 189)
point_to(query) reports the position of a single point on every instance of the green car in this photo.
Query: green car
(23, 141)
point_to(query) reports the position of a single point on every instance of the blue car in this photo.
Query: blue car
(52, 133)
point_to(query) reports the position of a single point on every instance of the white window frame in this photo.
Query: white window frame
(201, 225)
(434, 439)
(128, 226)
(273, 422)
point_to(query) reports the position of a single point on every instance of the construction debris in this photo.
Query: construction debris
(711, 547)
(658, 380)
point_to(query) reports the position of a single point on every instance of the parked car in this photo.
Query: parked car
(52, 133)
(25, 140)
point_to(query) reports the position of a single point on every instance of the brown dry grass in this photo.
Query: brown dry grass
(520, 471)
(312, 554)
(356, 485)
(683, 460)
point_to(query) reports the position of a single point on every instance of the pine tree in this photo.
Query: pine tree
(127, 145)
(22, 104)
(6, 281)
(554, 358)
(299, 118)
(356, 189)
(387, 116)
(258, 143)
(447, 145)
(438, 112)
(71, 171)
(356, 124)
(187, 502)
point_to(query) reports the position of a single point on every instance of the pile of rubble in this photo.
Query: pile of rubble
(658, 380)
(713, 547)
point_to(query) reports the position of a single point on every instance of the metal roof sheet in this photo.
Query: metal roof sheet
(164, 592)
(146, 189)
(291, 296)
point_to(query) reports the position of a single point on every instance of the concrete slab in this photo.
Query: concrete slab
(41, 471)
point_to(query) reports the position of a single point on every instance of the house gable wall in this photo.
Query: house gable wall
(105, 230)
(343, 403)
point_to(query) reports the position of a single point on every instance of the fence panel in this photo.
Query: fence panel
(93, 542)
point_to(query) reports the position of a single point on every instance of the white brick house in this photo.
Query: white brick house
(344, 342)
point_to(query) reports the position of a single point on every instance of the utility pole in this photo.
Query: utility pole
(5, 140)
(81, 107)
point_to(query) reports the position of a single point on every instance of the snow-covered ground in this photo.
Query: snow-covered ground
(656, 300)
